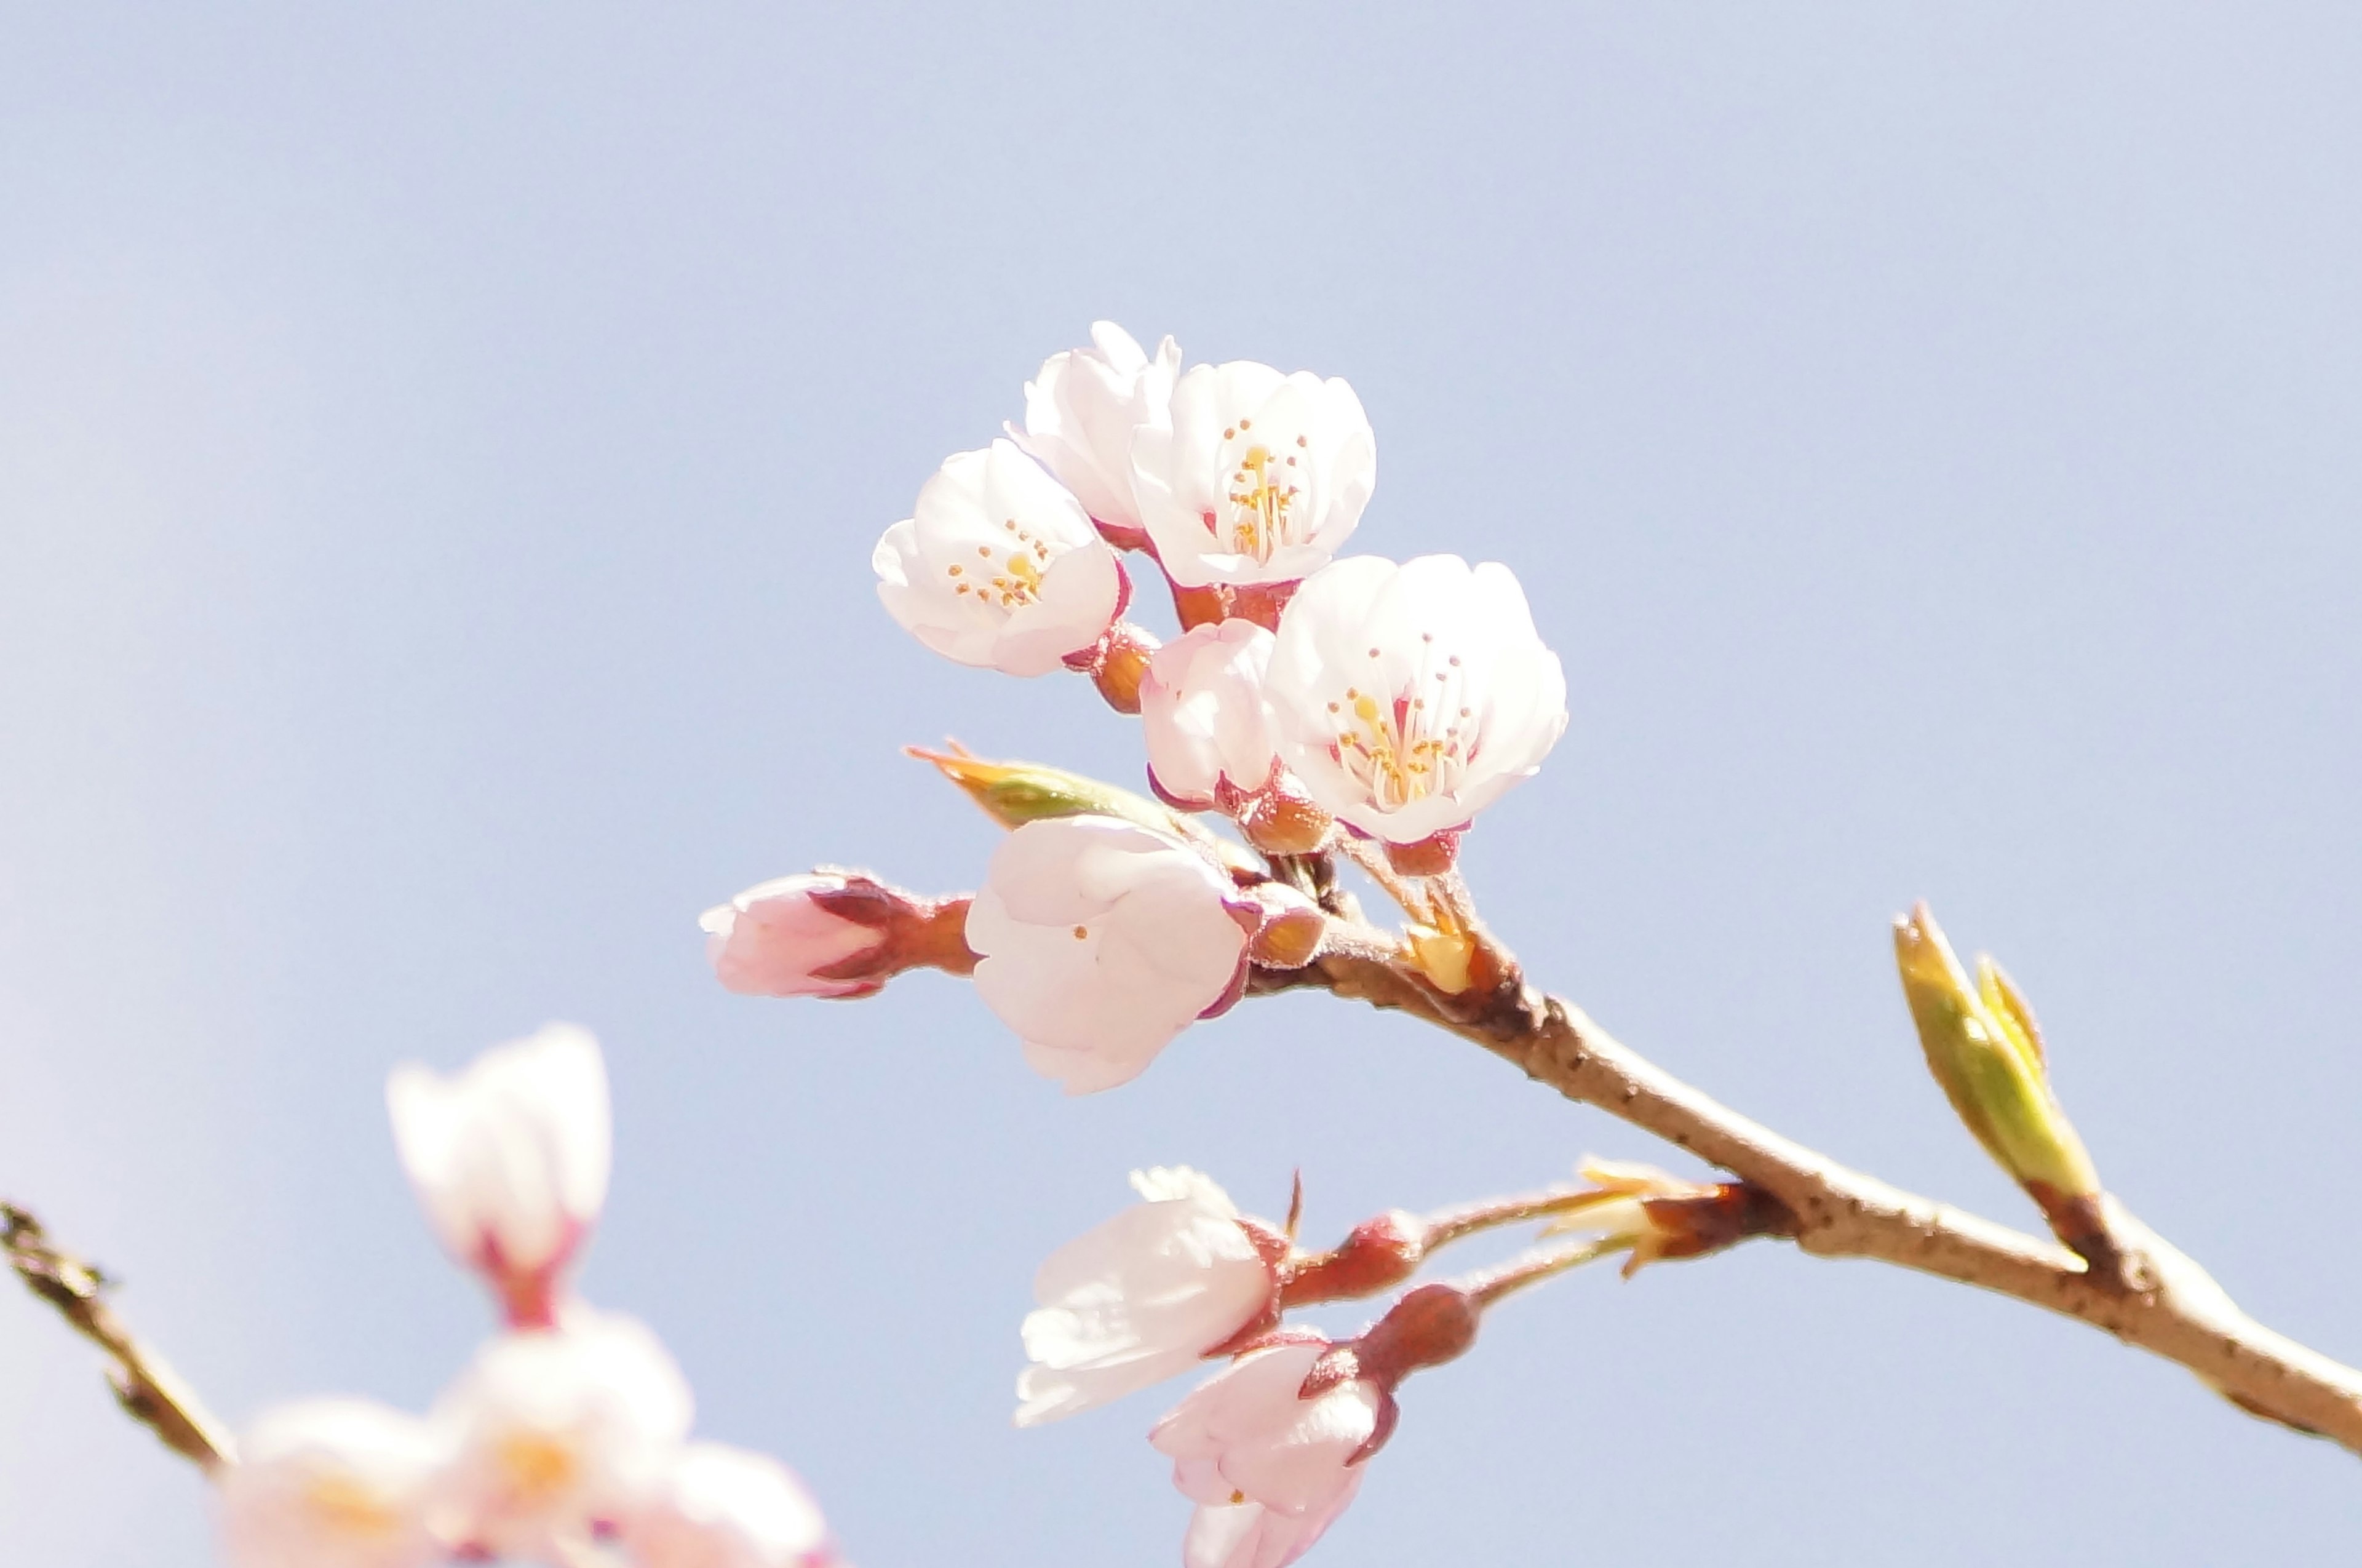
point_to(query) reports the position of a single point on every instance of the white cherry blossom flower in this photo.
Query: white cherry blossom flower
(1100, 941)
(1081, 411)
(780, 939)
(1000, 566)
(1248, 1438)
(509, 1158)
(330, 1483)
(1202, 716)
(1408, 697)
(559, 1435)
(1255, 477)
(1145, 1295)
(726, 1507)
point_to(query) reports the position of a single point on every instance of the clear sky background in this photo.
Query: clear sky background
(440, 452)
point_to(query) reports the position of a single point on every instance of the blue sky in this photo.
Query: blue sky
(440, 449)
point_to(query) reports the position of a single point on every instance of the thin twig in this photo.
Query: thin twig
(146, 1388)
(2158, 1299)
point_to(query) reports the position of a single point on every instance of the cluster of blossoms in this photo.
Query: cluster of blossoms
(565, 1441)
(1352, 709)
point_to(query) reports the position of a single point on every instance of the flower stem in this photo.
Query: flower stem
(1486, 1286)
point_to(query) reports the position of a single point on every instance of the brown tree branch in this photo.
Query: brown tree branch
(2153, 1298)
(146, 1388)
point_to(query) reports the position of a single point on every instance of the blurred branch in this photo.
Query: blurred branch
(2148, 1295)
(149, 1389)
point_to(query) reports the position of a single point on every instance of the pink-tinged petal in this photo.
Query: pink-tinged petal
(1248, 1535)
(558, 1433)
(1254, 478)
(1141, 1298)
(1202, 716)
(970, 573)
(1248, 1431)
(1098, 942)
(1081, 412)
(1408, 697)
(727, 1508)
(509, 1158)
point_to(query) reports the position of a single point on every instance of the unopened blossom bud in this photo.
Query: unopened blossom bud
(1099, 941)
(1201, 714)
(831, 933)
(1984, 1050)
(1268, 1467)
(1256, 476)
(558, 1436)
(718, 1507)
(510, 1159)
(330, 1483)
(999, 566)
(1146, 1296)
(1081, 411)
(1409, 698)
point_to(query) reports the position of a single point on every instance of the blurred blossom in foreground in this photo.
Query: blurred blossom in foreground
(1081, 411)
(725, 1507)
(1255, 477)
(1269, 1469)
(331, 1483)
(1409, 698)
(1099, 941)
(1000, 566)
(558, 1433)
(1146, 1296)
(510, 1159)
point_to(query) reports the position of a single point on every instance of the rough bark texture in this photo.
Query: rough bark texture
(2143, 1291)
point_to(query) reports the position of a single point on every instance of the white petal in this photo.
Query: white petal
(330, 1483)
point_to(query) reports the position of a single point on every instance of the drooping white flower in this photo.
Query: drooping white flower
(1248, 1438)
(330, 1483)
(780, 938)
(726, 1507)
(1408, 697)
(1081, 411)
(509, 1158)
(1202, 716)
(1100, 941)
(1145, 1295)
(1256, 476)
(559, 1435)
(1000, 566)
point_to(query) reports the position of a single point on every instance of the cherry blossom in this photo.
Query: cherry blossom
(999, 566)
(1255, 477)
(1145, 1295)
(1081, 411)
(1408, 697)
(1201, 714)
(725, 1507)
(1101, 940)
(510, 1159)
(330, 1483)
(559, 1435)
(1250, 1437)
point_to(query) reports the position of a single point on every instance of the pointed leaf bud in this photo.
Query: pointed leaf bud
(1985, 1052)
(1015, 793)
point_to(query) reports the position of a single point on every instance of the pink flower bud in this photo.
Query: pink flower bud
(786, 938)
(1081, 411)
(1201, 714)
